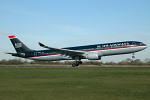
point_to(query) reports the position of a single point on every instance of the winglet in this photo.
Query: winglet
(42, 45)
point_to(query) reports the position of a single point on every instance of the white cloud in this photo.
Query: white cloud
(4, 32)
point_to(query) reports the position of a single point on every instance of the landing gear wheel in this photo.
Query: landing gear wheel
(80, 62)
(73, 65)
(133, 57)
(77, 63)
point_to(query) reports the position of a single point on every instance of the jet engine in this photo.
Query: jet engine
(93, 56)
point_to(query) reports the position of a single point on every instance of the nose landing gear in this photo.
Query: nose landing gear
(133, 56)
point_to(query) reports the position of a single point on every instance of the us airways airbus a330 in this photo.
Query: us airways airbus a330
(90, 52)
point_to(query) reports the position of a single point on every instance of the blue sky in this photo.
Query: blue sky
(65, 23)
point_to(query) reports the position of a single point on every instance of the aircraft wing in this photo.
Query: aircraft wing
(67, 52)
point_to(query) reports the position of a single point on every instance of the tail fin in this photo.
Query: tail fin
(18, 45)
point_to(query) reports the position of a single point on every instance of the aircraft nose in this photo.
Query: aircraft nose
(145, 46)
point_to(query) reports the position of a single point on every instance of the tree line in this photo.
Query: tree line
(127, 61)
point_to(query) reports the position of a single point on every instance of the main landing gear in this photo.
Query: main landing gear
(77, 63)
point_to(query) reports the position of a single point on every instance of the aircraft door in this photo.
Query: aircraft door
(35, 54)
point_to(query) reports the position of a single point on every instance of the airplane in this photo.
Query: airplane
(90, 52)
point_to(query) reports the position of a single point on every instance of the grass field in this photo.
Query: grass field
(75, 84)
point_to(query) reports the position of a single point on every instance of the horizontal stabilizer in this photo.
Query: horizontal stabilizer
(17, 54)
(9, 53)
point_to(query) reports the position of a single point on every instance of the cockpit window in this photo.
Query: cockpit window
(137, 43)
(141, 43)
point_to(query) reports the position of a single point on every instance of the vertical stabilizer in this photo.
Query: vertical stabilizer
(18, 45)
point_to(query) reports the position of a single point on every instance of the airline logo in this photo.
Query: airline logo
(18, 45)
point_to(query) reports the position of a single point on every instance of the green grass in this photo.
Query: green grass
(75, 84)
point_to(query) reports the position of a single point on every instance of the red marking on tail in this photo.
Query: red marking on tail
(13, 36)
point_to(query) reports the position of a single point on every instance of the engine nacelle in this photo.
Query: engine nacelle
(93, 56)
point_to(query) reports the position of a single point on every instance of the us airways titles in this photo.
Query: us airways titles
(112, 45)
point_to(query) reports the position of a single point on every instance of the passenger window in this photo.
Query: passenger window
(133, 43)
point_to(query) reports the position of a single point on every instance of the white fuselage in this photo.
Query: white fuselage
(103, 52)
